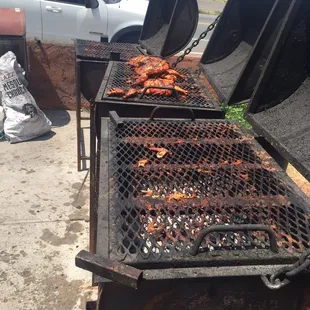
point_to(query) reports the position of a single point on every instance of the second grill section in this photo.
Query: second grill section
(168, 180)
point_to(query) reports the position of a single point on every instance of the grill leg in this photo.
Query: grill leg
(78, 114)
(91, 305)
(93, 200)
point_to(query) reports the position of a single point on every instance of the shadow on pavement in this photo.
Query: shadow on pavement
(58, 118)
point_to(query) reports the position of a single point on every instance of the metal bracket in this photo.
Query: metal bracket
(116, 120)
(108, 269)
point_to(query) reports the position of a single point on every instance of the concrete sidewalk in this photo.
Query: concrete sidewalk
(44, 205)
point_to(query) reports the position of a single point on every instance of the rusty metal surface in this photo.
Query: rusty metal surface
(85, 49)
(111, 270)
(168, 180)
(12, 22)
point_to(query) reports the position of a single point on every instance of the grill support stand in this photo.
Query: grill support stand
(89, 74)
(79, 118)
(93, 181)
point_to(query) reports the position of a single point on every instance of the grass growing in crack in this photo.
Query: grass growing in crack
(236, 112)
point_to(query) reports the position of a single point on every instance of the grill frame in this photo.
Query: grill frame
(119, 105)
(254, 257)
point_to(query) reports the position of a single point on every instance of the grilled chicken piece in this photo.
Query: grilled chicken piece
(131, 92)
(157, 91)
(117, 92)
(181, 90)
(162, 83)
(150, 69)
(175, 73)
(141, 61)
(169, 77)
(138, 61)
(147, 66)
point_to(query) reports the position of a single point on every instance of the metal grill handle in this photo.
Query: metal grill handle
(235, 228)
(108, 269)
(178, 108)
(174, 91)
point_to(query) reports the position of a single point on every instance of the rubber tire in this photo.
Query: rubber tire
(131, 37)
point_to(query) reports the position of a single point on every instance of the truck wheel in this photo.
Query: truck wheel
(131, 37)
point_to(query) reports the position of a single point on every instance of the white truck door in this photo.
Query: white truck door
(64, 21)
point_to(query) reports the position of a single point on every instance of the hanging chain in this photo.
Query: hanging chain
(196, 42)
(283, 276)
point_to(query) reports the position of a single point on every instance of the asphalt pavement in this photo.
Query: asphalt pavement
(204, 21)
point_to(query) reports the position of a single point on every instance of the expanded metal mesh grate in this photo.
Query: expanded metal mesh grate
(170, 179)
(123, 76)
(102, 51)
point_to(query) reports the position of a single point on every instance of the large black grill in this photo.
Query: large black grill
(85, 49)
(169, 180)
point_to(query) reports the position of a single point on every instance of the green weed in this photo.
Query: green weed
(236, 112)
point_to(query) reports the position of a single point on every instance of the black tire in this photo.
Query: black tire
(131, 37)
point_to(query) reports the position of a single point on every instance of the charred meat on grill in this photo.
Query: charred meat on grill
(131, 92)
(116, 92)
(162, 82)
(153, 66)
(152, 72)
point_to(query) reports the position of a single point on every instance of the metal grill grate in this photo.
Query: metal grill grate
(102, 51)
(123, 76)
(210, 174)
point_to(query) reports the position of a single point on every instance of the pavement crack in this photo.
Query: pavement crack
(47, 221)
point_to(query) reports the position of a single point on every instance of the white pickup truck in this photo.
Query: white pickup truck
(60, 21)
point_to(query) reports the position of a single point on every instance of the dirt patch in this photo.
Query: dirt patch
(188, 62)
(52, 75)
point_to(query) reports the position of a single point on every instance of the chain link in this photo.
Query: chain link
(196, 42)
(283, 276)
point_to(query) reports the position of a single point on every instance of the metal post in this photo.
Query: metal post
(93, 200)
(78, 112)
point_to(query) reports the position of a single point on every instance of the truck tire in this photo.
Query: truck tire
(131, 37)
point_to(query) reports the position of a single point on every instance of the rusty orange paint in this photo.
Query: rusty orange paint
(12, 22)
(179, 196)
